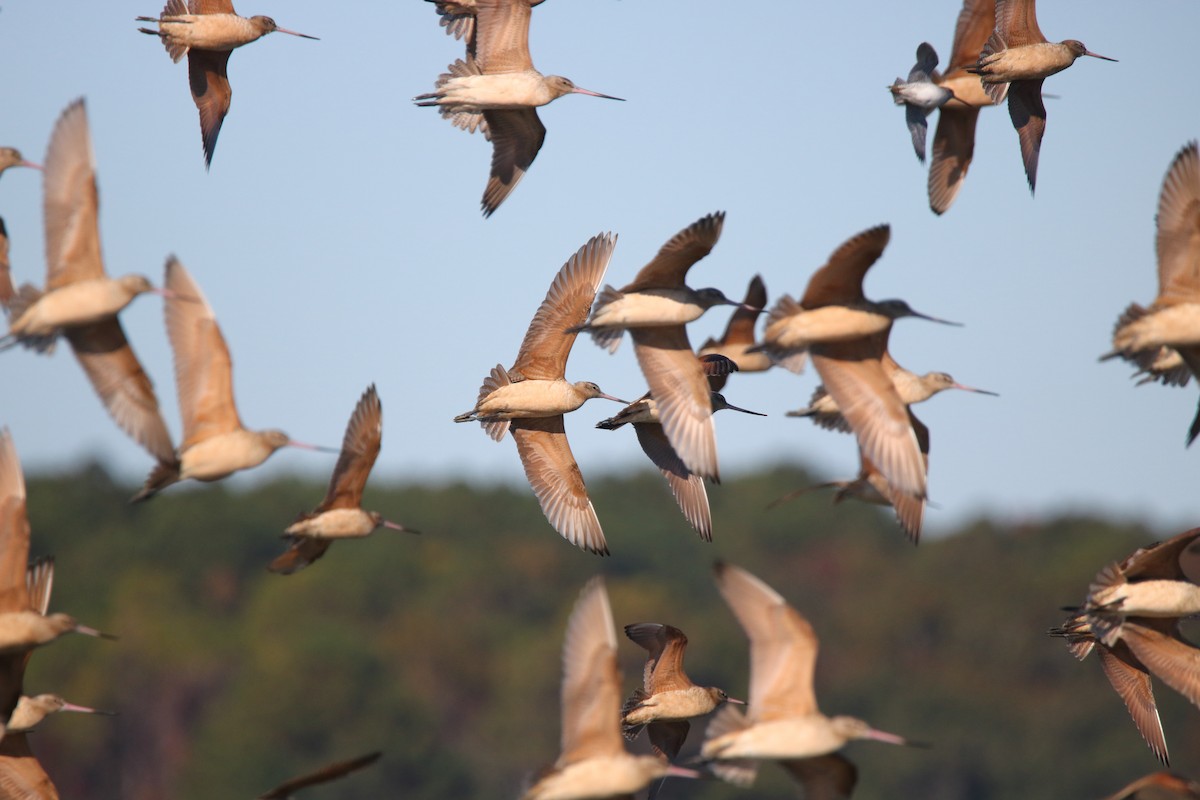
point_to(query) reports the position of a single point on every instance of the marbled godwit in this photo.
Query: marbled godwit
(872, 487)
(215, 443)
(668, 698)
(783, 722)
(531, 397)
(912, 388)
(497, 89)
(833, 308)
(954, 140)
(1014, 61)
(686, 486)
(207, 32)
(593, 762)
(1127, 675)
(1159, 786)
(331, 772)
(340, 515)
(1173, 320)
(738, 338)
(80, 301)
(847, 335)
(1132, 610)
(920, 96)
(655, 308)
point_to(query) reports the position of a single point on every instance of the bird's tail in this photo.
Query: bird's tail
(163, 475)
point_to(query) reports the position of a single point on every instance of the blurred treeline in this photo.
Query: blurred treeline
(443, 649)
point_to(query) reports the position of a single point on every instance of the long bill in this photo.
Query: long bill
(590, 93)
(296, 33)
(316, 447)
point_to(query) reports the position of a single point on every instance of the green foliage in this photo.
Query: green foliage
(443, 649)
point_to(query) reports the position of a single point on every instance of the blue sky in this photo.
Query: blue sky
(339, 240)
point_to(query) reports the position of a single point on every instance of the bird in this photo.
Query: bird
(954, 139)
(497, 90)
(207, 32)
(1164, 339)
(330, 772)
(847, 335)
(686, 486)
(11, 157)
(912, 388)
(215, 443)
(668, 698)
(655, 307)
(738, 337)
(80, 301)
(870, 486)
(340, 515)
(783, 722)
(531, 396)
(1014, 61)
(920, 96)
(593, 762)
(1127, 675)
(1161, 785)
(1133, 608)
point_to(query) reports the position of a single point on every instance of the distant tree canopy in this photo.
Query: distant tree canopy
(443, 650)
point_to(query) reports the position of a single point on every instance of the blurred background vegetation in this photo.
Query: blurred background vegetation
(443, 649)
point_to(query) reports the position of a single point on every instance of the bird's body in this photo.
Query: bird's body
(530, 398)
(207, 31)
(74, 305)
(783, 722)
(1164, 339)
(221, 455)
(1159, 786)
(1013, 62)
(496, 89)
(593, 762)
(920, 96)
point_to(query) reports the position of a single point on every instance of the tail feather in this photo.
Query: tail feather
(304, 550)
(25, 297)
(163, 475)
(634, 700)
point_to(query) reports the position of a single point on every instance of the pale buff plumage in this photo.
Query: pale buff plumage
(593, 762)
(1164, 339)
(207, 32)
(340, 515)
(80, 302)
(215, 443)
(783, 722)
(530, 398)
